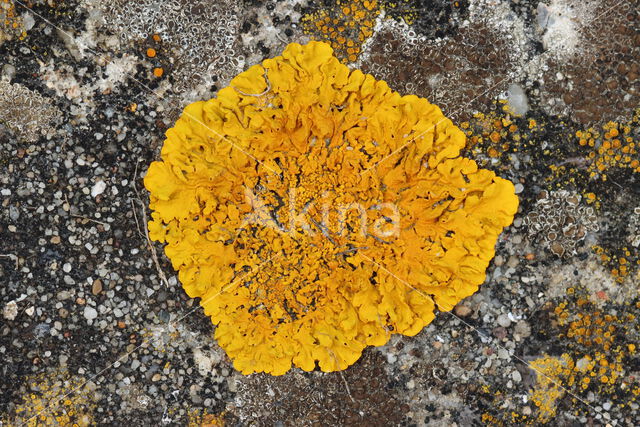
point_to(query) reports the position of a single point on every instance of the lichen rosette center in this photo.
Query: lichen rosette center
(316, 212)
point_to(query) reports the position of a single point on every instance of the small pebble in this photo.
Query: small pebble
(522, 329)
(516, 376)
(90, 313)
(462, 310)
(519, 188)
(98, 188)
(14, 213)
(10, 310)
(96, 288)
(504, 321)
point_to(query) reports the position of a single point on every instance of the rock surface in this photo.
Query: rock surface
(546, 92)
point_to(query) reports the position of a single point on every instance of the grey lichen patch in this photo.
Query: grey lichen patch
(633, 228)
(24, 112)
(595, 278)
(460, 73)
(593, 72)
(360, 395)
(199, 35)
(560, 222)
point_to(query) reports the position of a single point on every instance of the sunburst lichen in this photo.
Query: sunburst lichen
(315, 212)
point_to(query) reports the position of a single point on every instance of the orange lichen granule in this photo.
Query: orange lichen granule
(599, 348)
(316, 212)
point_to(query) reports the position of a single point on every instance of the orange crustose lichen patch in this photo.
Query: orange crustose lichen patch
(48, 402)
(617, 147)
(345, 26)
(11, 24)
(316, 212)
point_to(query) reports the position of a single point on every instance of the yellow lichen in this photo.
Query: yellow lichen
(316, 212)
(596, 361)
(551, 373)
(614, 146)
(620, 260)
(55, 399)
(202, 418)
(497, 133)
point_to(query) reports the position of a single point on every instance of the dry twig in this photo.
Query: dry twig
(152, 249)
(346, 384)
(89, 219)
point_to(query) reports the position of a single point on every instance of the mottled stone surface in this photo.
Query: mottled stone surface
(94, 322)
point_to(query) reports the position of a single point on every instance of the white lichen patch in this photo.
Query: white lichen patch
(206, 360)
(207, 355)
(633, 228)
(25, 112)
(593, 277)
(561, 22)
(116, 71)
